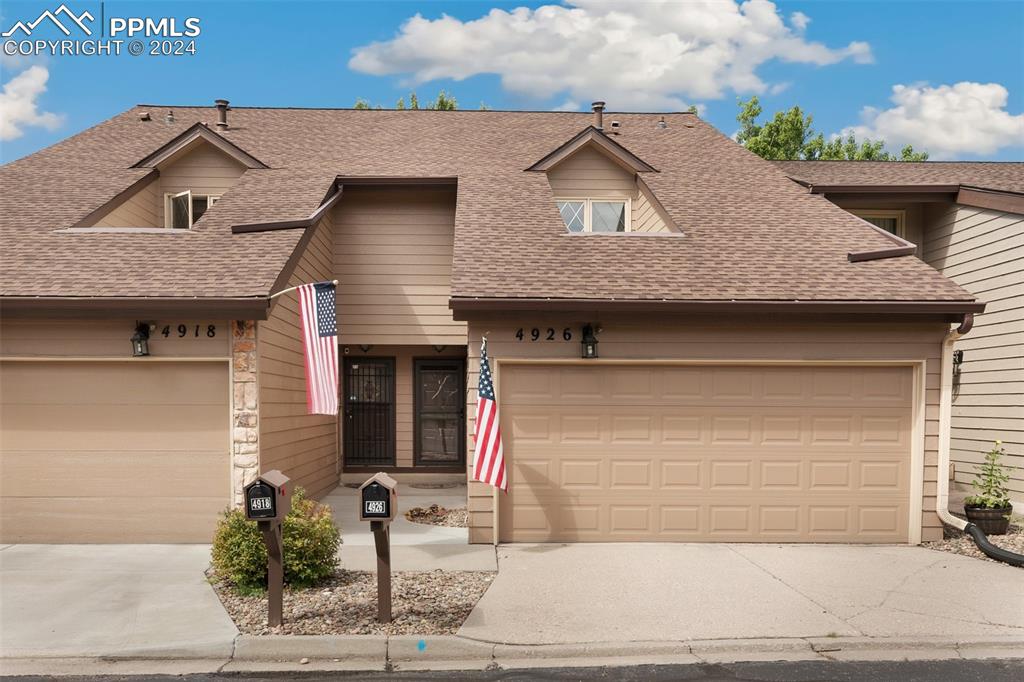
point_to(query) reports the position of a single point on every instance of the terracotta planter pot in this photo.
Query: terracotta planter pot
(990, 521)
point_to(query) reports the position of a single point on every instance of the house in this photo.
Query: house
(967, 221)
(768, 367)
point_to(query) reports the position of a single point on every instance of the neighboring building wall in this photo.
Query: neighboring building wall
(713, 339)
(392, 254)
(303, 446)
(404, 357)
(203, 169)
(983, 251)
(139, 210)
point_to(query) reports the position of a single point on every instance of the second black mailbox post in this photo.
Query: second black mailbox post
(267, 501)
(378, 504)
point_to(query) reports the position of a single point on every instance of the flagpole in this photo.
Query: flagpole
(285, 291)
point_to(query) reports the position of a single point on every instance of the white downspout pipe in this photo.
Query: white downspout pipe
(945, 422)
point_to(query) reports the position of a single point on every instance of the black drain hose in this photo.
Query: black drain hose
(990, 550)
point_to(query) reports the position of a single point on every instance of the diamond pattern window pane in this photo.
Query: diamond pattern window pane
(608, 216)
(572, 214)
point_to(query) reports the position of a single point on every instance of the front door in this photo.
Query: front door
(369, 428)
(439, 412)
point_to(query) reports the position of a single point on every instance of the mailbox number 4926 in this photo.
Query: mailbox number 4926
(374, 506)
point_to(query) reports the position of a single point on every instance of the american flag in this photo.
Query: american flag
(488, 461)
(320, 342)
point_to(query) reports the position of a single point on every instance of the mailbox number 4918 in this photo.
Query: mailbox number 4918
(548, 334)
(260, 503)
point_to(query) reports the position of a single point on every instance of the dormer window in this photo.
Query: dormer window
(183, 209)
(595, 215)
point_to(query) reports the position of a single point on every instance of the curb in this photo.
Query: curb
(452, 652)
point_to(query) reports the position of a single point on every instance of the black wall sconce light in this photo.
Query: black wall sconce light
(588, 343)
(958, 358)
(365, 347)
(440, 349)
(140, 340)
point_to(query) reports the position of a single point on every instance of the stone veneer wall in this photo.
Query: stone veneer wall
(245, 446)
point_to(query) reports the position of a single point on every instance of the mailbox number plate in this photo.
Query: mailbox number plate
(260, 504)
(375, 507)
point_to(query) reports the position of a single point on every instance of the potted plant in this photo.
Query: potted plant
(989, 508)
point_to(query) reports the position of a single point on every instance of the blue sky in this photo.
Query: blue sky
(958, 66)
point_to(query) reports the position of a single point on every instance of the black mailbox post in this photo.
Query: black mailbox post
(378, 504)
(267, 501)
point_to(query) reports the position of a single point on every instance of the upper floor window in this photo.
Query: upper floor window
(892, 221)
(183, 209)
(595, 215)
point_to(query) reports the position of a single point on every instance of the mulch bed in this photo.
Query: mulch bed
(436, 515)
(423, 603)
(958, 542)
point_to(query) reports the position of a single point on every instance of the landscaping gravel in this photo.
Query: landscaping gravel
(427, 603)
(436, 515)
(958, 542)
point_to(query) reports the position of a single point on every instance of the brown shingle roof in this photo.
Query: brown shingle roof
(750, 233)
(991, 175)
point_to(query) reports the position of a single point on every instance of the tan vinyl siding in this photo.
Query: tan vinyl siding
(392, 254)
(303, 446)
(646, 216)
(138, 210)
(590, 173)
(718, 340)
(203, 169)
(24, 338)
(983, 251)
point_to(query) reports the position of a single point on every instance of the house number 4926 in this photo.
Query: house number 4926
(193, 330)
(537, 333)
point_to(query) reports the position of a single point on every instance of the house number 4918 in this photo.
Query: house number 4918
(549, 334)
(193, 330)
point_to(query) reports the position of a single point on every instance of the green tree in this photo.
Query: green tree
(790, 135)
(361, 104)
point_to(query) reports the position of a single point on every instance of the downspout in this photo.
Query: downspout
(945, 422)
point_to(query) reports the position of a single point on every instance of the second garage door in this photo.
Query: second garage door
(706, 453)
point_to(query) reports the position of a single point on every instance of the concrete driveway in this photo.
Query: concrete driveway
(109, 600)
(551, 594)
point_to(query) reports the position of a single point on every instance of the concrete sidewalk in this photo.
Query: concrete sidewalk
(101, 600)
(557, 594)
(414, 546)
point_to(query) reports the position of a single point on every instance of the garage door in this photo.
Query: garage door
(706, 453)
(113, 451)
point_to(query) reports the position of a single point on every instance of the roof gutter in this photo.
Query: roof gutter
(463, 306)
(241, 308)
(333, 197)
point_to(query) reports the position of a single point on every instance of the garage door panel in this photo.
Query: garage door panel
(768, 461)
(100, 451)
(98, 474)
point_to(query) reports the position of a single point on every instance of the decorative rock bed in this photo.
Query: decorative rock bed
(423, 603)
(436, 515)
(957, 542)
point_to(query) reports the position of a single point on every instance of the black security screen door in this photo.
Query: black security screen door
(369, 429)
(440, 412)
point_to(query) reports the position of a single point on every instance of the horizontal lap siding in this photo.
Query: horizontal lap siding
(716, 340)
(204, 170)
(24, 338)
(392, 256)
(303, 446)
(983, 251)
(138, 210)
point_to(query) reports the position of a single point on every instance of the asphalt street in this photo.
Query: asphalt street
(987, 670)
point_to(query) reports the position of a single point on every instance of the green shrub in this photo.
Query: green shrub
(311, 541)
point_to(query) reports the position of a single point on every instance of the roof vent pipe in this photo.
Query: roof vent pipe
(598, 108)
(222, 113)
(169, 118)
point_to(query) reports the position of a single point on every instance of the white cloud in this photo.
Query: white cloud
(799, 20)
(639, 55)
(18, 104)
(947, 121)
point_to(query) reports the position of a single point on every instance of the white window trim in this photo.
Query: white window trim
(899, 214)
(211, 199)
(588, 204)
